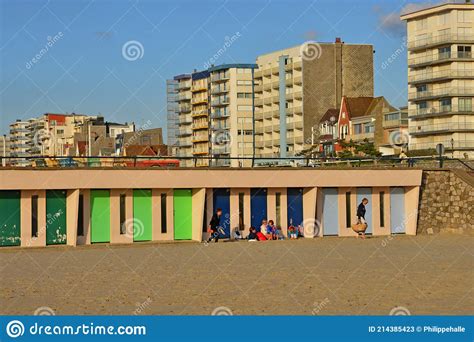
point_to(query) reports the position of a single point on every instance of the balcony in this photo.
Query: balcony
(220, 102)
(219, 90)
(416, 62)
(258, 88)
(440, 75)
(298, 80)
(200, 125)
(440, 40)
(297, 65)
(184, 132)
(184, 85)
(443, 92)
(276, 99)
(443, 128)
(298, 95)
(395, 123)
(362, 136)
(199, 100)
(199, 87)
(185, 120)
(220, 77)
(448, 145)
(258, 102)
(184, 109)
(221, 127)
(258, 74)
(220, 115)
(220, 149)
(198, 113)
(185, 143)
(184, 97)
(439, 111)
(200, 138)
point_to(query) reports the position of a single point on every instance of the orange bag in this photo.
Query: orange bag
(359, 227)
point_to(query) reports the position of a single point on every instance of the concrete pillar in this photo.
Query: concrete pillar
(412, 194)
(377, 229)
(344, 229)
(72, 211)
(27, 240)
(115, 228)
(86, 238)
(157, 234)
(199, 198)
(311, 225)
(271, 207)
(319, 211)
(210, 210)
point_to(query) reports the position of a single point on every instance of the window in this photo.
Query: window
(382, 208)
(244, 82)
(244, 71)
(464, 51)
(421, 88)
(123, 214)
(422, 24)
(443, 19)
(80, 216)
(241, 211)
(60, 131)
(444, 33)
(278, 209)
(464, 17)
(244, 95)
(358, 129)
(465, 104)
(369, 128)
(445, 105)
(392, 117)
(242, 108)
(164, 213)
(348, 209)
(444, 52)
(464, 33)
(34, 216)
(423, 105)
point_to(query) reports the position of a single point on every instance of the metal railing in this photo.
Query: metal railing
(448, 127)
(442, 74)
(439, 57)
(216, 159)
(440, 39)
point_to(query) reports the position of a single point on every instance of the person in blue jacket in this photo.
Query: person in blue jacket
(361, 213)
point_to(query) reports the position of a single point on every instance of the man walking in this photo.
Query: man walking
(214, 225)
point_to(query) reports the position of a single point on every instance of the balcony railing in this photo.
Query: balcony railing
(440, 39)
(423, 77)
(445, 127)
(184, 132)
(220, 77)
(362, 136)
(218, 90)
(220, 115)
(395, 123)
(220, 102)
(184, 85)
(186, 120)
(448, 145)
(440, 110)
(184, 97)
(184, 109)
(440, 57)
(441, 92)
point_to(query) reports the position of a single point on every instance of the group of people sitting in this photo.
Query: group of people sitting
(269, 231)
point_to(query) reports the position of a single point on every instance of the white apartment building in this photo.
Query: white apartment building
(441, 78)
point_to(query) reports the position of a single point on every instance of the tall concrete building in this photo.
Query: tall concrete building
(19, 138)
(172, 116)
(441, 78)
(185, 120)
(215, 116)
(295, 87)
(232, 113)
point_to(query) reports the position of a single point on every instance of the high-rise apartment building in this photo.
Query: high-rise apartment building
(172, 116)
(19, 138)
(215, 116)
(232, 114)
(441, 78)
(295, 87)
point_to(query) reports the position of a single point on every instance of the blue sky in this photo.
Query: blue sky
(84, 70)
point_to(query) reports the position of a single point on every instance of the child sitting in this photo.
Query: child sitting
(271, 230)
(252, 234)
(292, 232)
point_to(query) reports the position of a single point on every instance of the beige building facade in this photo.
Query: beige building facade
(441, 78)
(294, 88)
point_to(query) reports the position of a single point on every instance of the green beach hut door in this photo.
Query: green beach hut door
(142, 215)
(183, 211)
(10, 218)
(55, 217)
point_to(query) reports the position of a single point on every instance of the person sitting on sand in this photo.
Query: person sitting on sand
(271, 230)
(252, 234)
(263, 227)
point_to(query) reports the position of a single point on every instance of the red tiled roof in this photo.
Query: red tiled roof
(332, 112)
